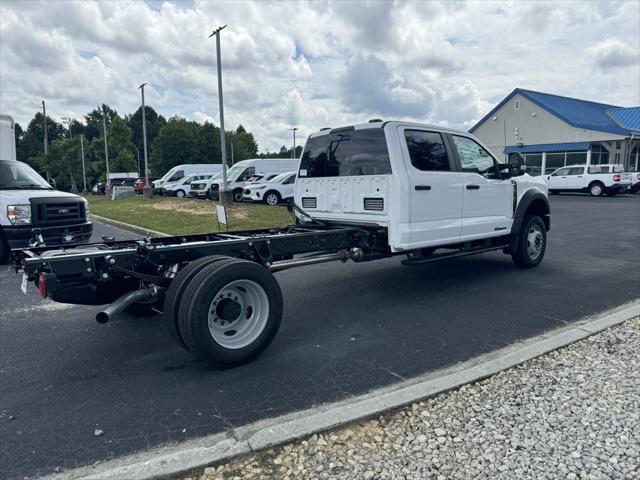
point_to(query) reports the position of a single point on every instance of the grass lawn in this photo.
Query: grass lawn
(181, 216)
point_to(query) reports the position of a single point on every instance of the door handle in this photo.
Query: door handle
(473, 187)
(423, 187)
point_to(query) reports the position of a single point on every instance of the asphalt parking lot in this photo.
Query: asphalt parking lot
(348, 328)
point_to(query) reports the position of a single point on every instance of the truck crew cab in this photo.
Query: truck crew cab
(363, 192)
(27, 201)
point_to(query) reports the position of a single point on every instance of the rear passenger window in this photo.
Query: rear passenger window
(576, 171)
(427, 151)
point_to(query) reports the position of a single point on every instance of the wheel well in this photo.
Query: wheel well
(596, 181)
(540, 208)
(272, 191)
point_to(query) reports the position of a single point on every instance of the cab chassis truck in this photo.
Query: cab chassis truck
(364, 192)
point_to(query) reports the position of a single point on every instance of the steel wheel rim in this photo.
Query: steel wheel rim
(596, 190)
(238, 314)
(272, 199)
(535, 242)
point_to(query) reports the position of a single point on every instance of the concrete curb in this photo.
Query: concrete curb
(187, 456)
(144, 232)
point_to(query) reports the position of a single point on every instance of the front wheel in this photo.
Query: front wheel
(180, 194)
(230, 312)
(272, 199)
(237, 195)
(4, 249)
(531, 243)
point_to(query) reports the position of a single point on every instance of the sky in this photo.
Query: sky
(313, 64)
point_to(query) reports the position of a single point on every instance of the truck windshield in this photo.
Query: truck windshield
(20, 176)
(346, 153)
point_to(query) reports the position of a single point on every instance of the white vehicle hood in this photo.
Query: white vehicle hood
(22, 197)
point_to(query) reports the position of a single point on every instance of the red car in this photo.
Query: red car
(138, 186)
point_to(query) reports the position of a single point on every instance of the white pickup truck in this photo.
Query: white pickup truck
(364, 192)
(594, 179)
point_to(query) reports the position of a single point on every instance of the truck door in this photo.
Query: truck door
(487, 206)
(435, 188)
(558, 179)
(575, 178)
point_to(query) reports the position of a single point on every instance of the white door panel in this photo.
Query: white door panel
(488, 209)
(435, 191)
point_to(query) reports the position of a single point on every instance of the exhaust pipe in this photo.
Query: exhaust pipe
(117, 306)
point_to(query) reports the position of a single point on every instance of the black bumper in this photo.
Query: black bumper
(18, 237)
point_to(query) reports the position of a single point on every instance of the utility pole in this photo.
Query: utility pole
(84, 173)
(147, 189)
(68, 121)
(107, 188)
(46, 135)
(224, 196)
(232, 160)
(293, 153)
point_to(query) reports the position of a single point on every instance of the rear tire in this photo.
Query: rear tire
(230, 312)
(272, 198)
(176, 291)
(596, 189)
(531, 243)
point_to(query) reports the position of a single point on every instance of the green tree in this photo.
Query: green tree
(93, 121)
(244, 144)
(30, 143)
(176, 144)
(153, 121)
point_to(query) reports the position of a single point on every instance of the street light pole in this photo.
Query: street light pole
(106, 150)
(46, 135)
(293, 153)
(84, 173)
(147, 189)
(223, 195)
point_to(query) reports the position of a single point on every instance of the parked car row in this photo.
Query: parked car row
(596, 180)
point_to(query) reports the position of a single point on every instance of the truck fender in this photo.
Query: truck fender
(532, 202)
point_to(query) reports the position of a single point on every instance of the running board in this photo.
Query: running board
(460, 253)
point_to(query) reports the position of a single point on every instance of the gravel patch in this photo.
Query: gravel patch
(571, 414)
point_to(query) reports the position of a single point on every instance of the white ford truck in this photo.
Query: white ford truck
(597, 180)
(364, 192)
(27, 201)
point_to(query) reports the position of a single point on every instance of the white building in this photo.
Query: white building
(550, 131)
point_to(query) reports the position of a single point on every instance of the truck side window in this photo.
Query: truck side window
(561, 171)
(474, 158)
(427, 151)
(576, 171)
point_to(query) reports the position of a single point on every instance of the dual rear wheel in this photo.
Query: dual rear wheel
(224, 310)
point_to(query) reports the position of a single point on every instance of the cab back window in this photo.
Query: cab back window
(346, 153)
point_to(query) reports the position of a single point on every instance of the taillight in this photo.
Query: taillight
(42, 284)
(616, 178)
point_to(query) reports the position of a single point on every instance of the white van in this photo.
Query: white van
(180, 171)
(182, 188)
(239, 174)
(27, 201)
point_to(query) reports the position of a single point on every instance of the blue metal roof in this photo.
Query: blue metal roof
(549, 147)
(626, 117)
(575, 112)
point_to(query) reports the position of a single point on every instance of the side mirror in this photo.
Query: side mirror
(508, 170)
(52, 182)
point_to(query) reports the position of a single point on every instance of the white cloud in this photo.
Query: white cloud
(613, 52)
(313, 64)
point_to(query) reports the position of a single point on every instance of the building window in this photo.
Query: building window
(617, 158)
(618, 146)
(576, 158)
(599, 155)
(516, 105)
(555, 160)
